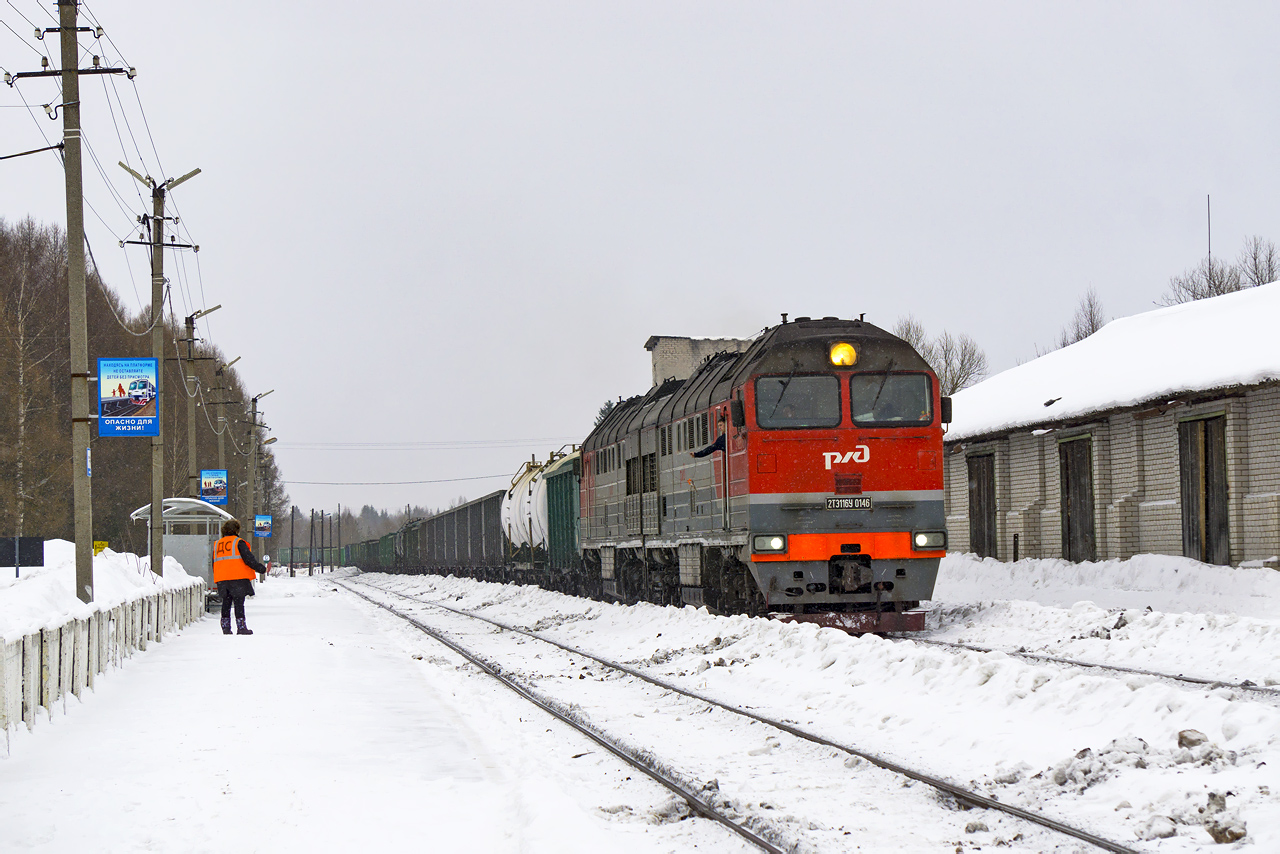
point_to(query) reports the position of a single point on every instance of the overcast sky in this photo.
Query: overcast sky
(458, 223)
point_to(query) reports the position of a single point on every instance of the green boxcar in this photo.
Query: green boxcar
(563, 500)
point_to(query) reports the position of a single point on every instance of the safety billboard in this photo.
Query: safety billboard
(262, 526)
(128, 397)
(213, 486)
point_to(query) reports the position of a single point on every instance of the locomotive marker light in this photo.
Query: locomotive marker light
(929, 540)
(769, 543)
(843, 355)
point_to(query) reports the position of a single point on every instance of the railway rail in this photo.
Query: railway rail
(697, 803)
(1249, 687)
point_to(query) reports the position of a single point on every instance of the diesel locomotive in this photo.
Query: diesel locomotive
(799, 476)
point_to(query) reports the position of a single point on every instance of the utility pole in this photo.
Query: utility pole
(222, 419)
(193, 471)
(293, 554)
(340, 559)
(157, 244)
(253, 457)
(311, 542)
(81, 461)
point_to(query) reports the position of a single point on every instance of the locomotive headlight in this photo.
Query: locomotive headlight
(843, 355)
(769, 543)
(929, 540)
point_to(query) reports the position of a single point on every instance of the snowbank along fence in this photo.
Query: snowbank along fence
(44, 666)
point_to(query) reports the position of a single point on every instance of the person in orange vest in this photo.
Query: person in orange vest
(234, 568)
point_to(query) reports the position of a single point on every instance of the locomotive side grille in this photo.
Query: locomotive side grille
(849, 484)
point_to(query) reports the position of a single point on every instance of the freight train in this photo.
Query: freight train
(799, 477)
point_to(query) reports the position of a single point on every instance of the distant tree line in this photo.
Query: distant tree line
(35, 404)
(368, 523)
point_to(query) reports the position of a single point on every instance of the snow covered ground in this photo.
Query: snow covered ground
(337, 726)
(44, 596)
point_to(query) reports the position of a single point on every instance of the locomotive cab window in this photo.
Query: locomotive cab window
(890, 399)
(798, 402)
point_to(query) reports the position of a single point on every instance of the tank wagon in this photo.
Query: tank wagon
(800, 478)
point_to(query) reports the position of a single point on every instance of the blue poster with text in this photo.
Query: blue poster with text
(128, 398)
(213, 486)
(262, 526)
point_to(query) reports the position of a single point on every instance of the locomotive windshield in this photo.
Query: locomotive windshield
(894, 399)
(795, 402)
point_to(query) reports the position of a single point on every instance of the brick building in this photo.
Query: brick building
(1158, 434)
(675, 357)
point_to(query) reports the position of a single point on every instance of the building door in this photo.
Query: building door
(1202, 447)
(982, 505)
(1075, 459)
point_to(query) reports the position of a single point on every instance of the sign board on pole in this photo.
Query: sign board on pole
(262, 526)
(127, 400)
(99, 546)
(213, 485)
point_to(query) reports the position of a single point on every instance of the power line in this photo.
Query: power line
(422, 446)
(391, 482)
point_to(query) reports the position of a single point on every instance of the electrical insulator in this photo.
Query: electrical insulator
(97, 61)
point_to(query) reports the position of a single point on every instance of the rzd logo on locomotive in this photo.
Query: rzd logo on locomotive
(860, 454)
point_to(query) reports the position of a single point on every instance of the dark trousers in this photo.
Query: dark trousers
(234, 593)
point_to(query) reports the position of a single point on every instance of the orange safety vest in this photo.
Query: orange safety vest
(227, 563)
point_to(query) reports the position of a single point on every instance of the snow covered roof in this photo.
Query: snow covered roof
(1158, 355)
(183, 510)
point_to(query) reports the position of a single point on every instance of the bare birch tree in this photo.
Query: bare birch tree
(957, 359)
(1210, 278)
(32, 266)
(1259, 262)
(1088, 319)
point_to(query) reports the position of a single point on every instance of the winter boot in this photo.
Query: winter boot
(226, 625)
(241, 628)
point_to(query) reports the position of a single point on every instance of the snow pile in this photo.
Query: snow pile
(43, 597)
(1213, 343)
(1161, 582)
(1132, 756)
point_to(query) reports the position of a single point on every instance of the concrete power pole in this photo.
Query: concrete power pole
(193, 470)
(253, 459)
(157, 245)
(81, 462)
(222, 419)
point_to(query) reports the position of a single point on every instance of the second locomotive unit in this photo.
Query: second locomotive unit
(800, 476)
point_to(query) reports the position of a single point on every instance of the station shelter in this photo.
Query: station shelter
(191, 529)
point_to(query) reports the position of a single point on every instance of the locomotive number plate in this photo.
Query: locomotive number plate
(849, 502)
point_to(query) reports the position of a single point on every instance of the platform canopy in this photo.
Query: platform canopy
(181, 511)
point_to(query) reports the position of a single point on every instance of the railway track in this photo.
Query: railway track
(696, 798)
(1251, 689)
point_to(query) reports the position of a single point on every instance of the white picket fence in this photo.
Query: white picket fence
(44, 666)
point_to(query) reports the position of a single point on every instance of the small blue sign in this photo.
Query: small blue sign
(213, 486)
(128, 397)
(262, 526)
